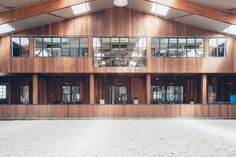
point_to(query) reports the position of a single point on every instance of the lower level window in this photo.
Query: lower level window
(3, 93)
(167, 94)
(71, 94)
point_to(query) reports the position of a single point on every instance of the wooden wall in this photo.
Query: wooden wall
(135, 84)
(115, 111)
(117, 22)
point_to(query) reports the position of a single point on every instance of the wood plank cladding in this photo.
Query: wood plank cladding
(115, 111)
(116, 22)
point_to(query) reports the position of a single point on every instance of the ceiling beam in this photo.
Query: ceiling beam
(37, 9)
(199, 9)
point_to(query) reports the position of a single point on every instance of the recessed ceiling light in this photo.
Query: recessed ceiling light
(159, 9)
(80, 8)
(231, 29)
(5, 28)
(120, 3)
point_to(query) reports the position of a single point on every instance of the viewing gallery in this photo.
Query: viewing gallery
(112, 61)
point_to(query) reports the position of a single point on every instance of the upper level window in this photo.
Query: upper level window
(178, 47)
(217, 47)
(20, 46)
(3, 92)
(57, 46)
(124, 51)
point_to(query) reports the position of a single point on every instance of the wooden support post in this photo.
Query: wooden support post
(35, 88)
(148, 88)
(91, 88)
(204, 89)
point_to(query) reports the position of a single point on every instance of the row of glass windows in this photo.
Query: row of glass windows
(178, 47)
(118, 51)
(167, 94)
(56, 47)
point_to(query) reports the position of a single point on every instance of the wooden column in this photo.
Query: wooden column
(204, 89)
(35, 89)
(148, 88)
(91, 88)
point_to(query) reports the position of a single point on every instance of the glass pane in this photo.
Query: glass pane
(24, 94)
(115, 43)
(155, 46)
(106, 43)
(172, 47)
(25, 42)
(133, 42)
(65, 42)
(213, 47)
(83, 42)
(75, 93)
(199, 47)
(16, 42)
(25, 52)
(191, 47)
(96, 42)
(74, 52)
(16, 51)
(74, 42)
(38, 52)
(142, 42)
(66, 94)
(65, 52)
(182, 47)
(38, 42)
(47, 47)
(124, 51)
(163, 47)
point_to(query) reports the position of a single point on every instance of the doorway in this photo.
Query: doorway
(118, 94)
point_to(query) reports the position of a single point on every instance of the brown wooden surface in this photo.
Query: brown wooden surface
(116, 111)
(204, 88)
(148, 88)
(199, 9)
(91, 89)
(35, 88)
(119, 22)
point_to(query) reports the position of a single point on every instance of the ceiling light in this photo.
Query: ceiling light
(120, 3)
(159, 9)
(5, 28)
(231, 29)
(80, 8)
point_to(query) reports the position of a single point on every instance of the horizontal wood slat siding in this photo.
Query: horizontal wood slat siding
(116, 111)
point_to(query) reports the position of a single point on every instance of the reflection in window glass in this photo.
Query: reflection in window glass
(167, 94)
(56, 46)
(217, 47)
(172, 47)
(20, 46)
(178, 47)
(71, 94)
(182, 43)
(3, 92)
(119, 51)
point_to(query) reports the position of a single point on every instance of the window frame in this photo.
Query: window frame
(61, 47)
(177, 53)
(20, 46)
(225, 49)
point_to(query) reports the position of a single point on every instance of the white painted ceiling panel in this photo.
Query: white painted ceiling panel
(35, 21)
(202, 22)
(223, 4)
(145, 6)
(94, 6)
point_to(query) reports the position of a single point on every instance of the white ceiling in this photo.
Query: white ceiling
(94, 6)
(139, 5)
(36, 21)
